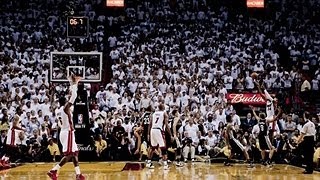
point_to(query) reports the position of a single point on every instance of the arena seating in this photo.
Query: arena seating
(188, 54)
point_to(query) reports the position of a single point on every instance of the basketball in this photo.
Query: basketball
(254, 75)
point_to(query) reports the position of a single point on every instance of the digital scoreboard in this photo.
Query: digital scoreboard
(77, 26)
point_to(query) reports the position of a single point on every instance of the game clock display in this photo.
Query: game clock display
(77, 27)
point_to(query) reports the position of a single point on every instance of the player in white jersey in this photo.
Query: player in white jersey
(158, 123)
(67, 137)
(271, 104)
(14, 131)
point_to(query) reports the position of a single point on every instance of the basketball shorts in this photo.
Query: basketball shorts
(265, 143)
(69, 146)
(13, 137)
(236, 146)
(157, 138)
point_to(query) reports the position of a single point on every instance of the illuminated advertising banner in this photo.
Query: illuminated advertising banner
(255, 3)
(115, 3)
(246, 98)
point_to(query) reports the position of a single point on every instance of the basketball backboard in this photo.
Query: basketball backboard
(88, 65)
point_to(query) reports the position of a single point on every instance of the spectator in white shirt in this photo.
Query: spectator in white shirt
(212, 141)
(315, 84)
(185, 99)
(221, 115)
(228, 80)
(249, 83)
(95, 112)
(145, 101)
(235, 118)
(212, 123)
(113, 99)
(189, 146)
(287, 82)
(133, 85)
(258, 67)
(192, 129)
(112, 41)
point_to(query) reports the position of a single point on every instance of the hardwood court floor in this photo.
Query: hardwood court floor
(113, 171)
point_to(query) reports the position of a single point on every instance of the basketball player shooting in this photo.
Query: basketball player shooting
(67, 138)
(271, 104)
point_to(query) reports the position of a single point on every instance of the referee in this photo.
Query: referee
(307, 142)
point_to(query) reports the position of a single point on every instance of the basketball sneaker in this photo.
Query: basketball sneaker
(150, 166)
(227, 164)
(178, 164)
(5, 163)
(250, 165)
(80, 177)
(53, 174)
(269, 164)
(160, 161)
(166, 167)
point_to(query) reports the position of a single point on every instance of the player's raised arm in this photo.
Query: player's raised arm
(73, 88)
(254, 113)
(74, 80)
(260, 90)
(267, 96)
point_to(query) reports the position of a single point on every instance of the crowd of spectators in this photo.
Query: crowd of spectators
(29, 31)
(186, 54)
